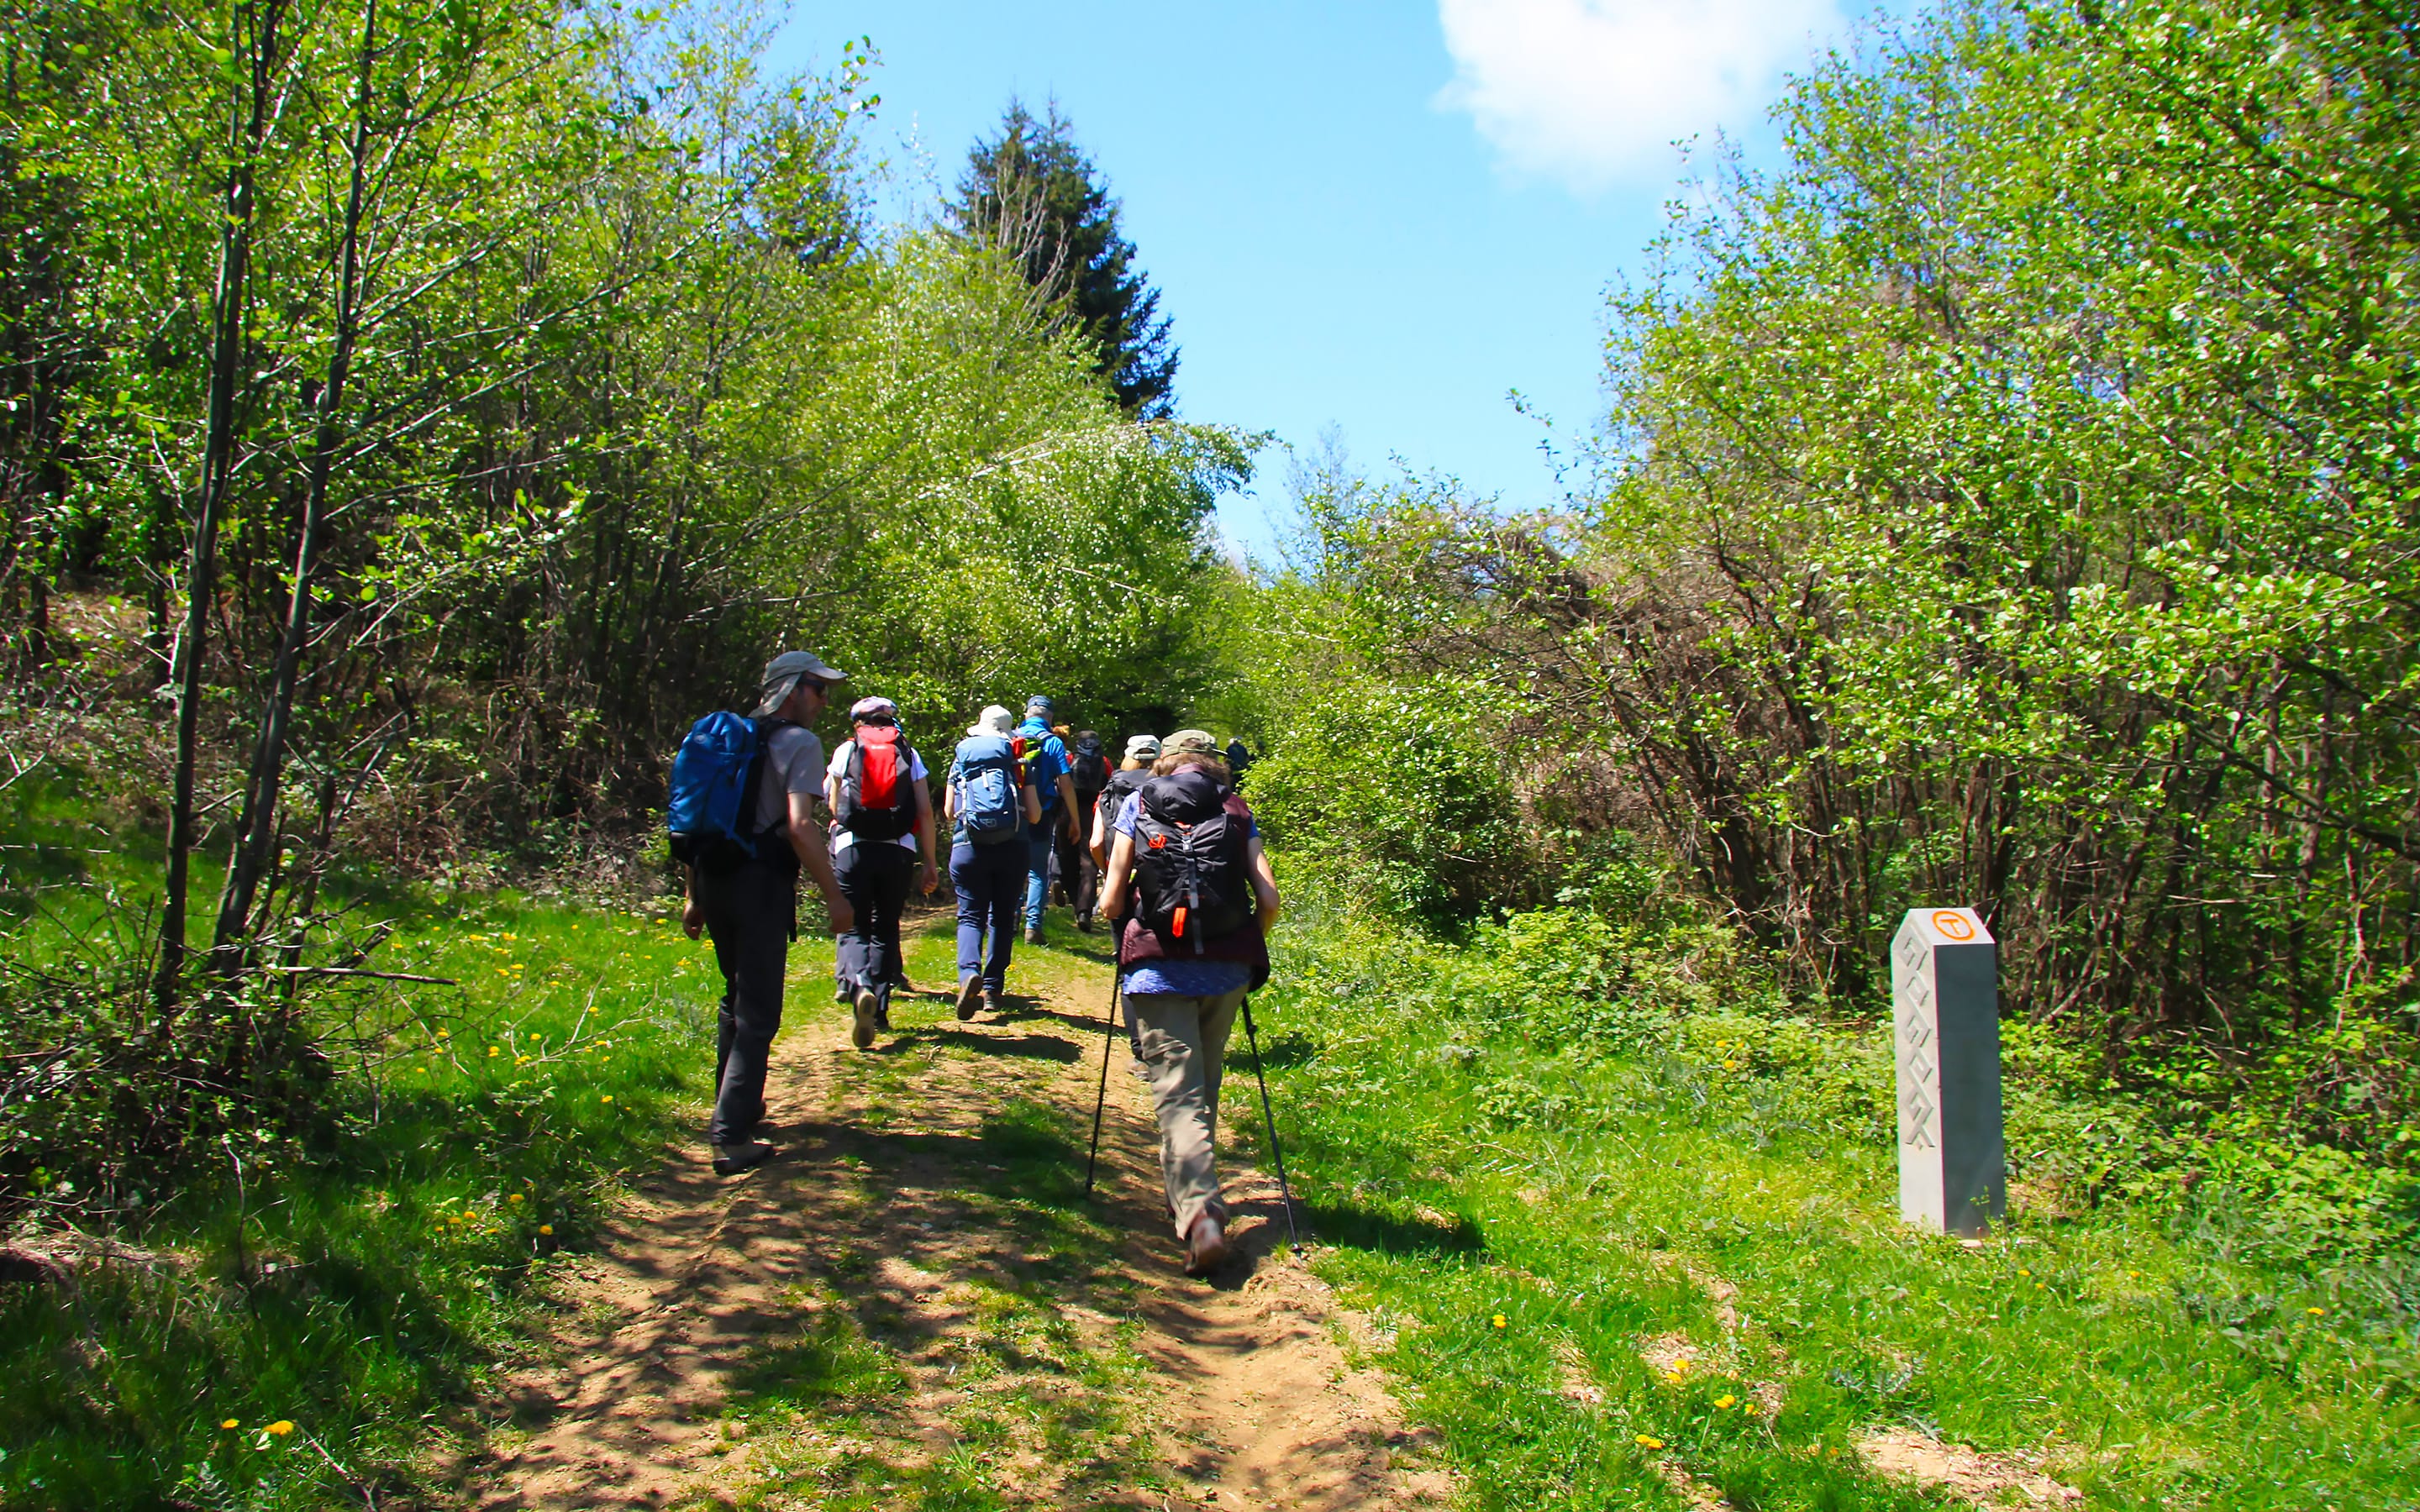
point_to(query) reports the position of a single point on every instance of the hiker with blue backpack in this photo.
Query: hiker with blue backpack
(743, 825)
(1193, 899)
(992, 810)
(882, 827)
(1047, 777)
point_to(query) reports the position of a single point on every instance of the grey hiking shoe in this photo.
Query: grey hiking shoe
(1034, 937)
(970, 991)
(869, 1008)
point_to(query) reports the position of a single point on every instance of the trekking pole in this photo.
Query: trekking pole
(1269, 1121)
(1108, 1042)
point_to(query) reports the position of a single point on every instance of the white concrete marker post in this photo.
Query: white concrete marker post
(1946, 1008)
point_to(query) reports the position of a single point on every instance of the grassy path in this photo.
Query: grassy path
(916, 1307)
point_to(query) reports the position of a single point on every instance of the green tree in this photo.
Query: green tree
(1031, 192)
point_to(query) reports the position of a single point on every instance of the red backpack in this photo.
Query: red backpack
(878, 797)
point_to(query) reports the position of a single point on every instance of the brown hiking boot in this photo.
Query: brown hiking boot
(1207, 1249)
(869, 1007)
(969, 992)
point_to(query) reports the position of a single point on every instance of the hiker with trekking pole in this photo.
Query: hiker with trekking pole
(741, 813)
(1192, 896)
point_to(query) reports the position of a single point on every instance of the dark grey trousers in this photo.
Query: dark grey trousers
(749, 913)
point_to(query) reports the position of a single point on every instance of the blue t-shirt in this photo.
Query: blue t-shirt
(1046, 768)
(1187, 979)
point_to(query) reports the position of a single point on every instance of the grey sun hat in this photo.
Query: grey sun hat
(1142, 747)
(1190, 743)
(782, 674)
(995, 720)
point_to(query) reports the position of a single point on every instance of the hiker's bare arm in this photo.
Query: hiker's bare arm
(1099, 843)
(1265, 883)
(1068, 803)
(692, 912)
(1113, 886)
(807, 840)
(1032, 806)
(932, 878)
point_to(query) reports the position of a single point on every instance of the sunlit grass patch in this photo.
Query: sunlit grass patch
(353, 1279)
(1623, 1213)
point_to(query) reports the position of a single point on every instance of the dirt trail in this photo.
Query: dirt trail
(916, 1307)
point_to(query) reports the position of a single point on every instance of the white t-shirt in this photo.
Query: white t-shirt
(844, 839)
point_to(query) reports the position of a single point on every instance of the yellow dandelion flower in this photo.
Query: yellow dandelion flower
(607, 1098)
(1725, 1399)
(1649, 1440)
(279, 1428)
(1750, 1408)
(2316, 1312)
(515, 1198)
(2021, 1270)
(545, 1228)
(493, 1050)
(1730, 1065)
(1499, 1319)
(229, 1425)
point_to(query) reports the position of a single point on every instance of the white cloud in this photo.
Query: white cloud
(1592, 92)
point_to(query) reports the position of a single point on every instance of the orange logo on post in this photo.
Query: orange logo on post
(1952, 924)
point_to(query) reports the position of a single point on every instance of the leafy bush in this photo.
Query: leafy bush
(109, 1105)
(1400, 789)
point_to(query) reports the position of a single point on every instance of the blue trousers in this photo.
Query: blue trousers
(1037, 867)
(988, 878)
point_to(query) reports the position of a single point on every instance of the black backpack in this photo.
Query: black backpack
(1192, 878)
(1089, 769)
(1121, 786)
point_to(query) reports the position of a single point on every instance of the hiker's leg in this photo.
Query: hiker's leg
(1007, 882)
(859, 946)
(1037, 874)
(974, 905)
(890, 964)
(1218, 1023)
(1088, 880)
(1062, 852)
(755, 909)
(1165, 1031)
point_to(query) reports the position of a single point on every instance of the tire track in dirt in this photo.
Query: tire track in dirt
(915, 1300)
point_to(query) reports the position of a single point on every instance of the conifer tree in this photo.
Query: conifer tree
(1032, 190)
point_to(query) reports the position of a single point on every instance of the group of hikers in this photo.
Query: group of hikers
(1162, 847)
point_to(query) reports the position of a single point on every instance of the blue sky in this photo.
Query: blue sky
(1375, 218)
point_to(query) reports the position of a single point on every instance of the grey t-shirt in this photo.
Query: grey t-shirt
(794, 762)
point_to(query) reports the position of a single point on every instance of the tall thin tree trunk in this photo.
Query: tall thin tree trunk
(248, 127)
(257, 826)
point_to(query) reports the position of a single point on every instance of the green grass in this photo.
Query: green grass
(1467, 1163)
(357, 1283)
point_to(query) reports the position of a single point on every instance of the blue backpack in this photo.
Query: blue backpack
(986, 777)
(712, 812)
